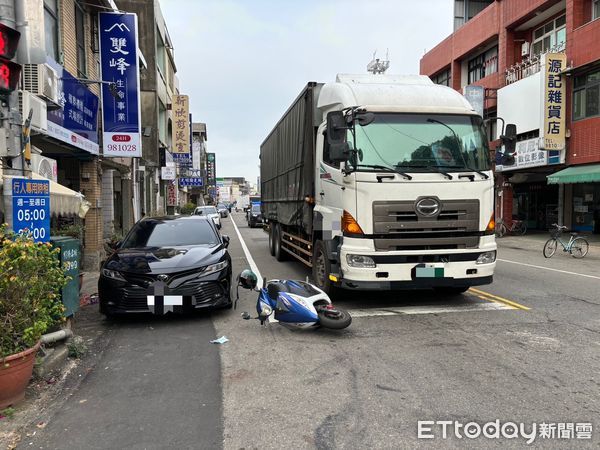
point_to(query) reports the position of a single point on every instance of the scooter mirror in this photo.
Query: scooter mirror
(273, 291)
(246, 316)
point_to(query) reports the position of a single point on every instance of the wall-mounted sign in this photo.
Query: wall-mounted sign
(190, 181)
(172, 194)
(211, 168)
(31, 208)
(181, 124)
(476, 97)
(75, 122)
(528, 154)
(168, 173)
(554, 110)
(121, 101)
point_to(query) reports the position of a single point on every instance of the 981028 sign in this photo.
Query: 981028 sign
(31, 208)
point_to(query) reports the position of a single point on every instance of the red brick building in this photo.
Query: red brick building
(498, 44)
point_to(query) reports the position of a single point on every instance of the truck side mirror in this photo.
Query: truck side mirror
(336, 127)
(339, 152)
(509, 139)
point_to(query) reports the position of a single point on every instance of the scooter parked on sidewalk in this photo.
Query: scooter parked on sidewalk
(294, 304)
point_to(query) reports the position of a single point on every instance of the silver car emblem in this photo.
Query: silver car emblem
(428, 206)
(162, 277)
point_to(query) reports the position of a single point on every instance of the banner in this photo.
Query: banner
(119, 63)
(181, 124)
(554, 108)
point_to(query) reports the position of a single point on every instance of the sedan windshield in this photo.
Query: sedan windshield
(255, 208)
(206, 210)
(422, 142)
(171, 233)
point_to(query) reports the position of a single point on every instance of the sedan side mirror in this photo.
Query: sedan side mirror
(225, 239)
(115, 245)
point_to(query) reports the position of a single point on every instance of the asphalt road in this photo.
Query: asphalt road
(525, 349)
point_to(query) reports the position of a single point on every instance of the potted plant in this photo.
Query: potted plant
(29, 305)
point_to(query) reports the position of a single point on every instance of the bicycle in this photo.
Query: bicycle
(517, 227)
(578, 247)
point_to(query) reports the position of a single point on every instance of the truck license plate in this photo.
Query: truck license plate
(429, 272)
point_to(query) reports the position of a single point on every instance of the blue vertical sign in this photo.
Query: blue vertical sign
(31, 208)
(119, 64)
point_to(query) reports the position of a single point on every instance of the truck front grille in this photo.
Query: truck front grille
(456, 226)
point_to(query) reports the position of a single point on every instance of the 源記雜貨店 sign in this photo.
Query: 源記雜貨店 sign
(31, 208)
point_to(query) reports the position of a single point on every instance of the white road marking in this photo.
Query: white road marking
(253, 265)
(548, 268)
(429, 309)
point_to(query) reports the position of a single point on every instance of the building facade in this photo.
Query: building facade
(502, 47)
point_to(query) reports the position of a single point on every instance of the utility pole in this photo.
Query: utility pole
(11, 15)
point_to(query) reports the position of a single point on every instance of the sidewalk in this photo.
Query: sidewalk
(535, 241)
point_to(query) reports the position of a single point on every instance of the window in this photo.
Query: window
(161, 55)
(586, 96)
(51, 28)
(595, 9)
(162, 122)
(443, 78)
(483, 65)
(551, 36)
(170, 233)
(326, 156)
(80, 40)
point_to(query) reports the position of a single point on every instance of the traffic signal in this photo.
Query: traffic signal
(10, 72)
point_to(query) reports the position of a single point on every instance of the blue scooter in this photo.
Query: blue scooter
(294, 304)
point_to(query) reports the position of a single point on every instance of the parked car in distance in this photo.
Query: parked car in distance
(254, 216)
(223, 210)
(171, 263)
(211, 212)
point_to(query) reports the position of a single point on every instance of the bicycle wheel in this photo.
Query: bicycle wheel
(579, 248)
(521, 228)
(550, 248)
(501, 230)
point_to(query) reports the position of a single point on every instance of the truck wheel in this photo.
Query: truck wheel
(272, 239)
(322, 268)
(278, 252)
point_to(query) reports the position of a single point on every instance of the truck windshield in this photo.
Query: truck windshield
(422, 142)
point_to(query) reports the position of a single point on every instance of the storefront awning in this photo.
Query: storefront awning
(64, 201)
(576, 174)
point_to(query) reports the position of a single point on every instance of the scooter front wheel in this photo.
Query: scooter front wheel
(335, 319)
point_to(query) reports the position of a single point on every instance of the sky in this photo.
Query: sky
(243, 62)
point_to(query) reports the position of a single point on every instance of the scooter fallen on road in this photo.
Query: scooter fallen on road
(293, 303)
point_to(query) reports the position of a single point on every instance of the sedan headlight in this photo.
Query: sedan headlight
(486, 258)
(113, 274)
(214, 268)
(360, 261)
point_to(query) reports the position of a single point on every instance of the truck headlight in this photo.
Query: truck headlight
(360, 261)
(486, 258)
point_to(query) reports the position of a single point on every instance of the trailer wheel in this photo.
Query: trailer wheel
(322, 268)
(278, 252)
(272, 239)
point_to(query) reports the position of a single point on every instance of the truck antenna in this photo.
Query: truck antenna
(377, 66)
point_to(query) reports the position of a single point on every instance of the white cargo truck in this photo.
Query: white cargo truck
(382, 182)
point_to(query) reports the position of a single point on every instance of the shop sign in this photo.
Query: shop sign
(31, 208)
(554, 109)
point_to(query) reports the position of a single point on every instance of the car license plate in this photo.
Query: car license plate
(429, 272)
(168, 300)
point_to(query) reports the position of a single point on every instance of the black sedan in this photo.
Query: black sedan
(167, 264)
(254, 216)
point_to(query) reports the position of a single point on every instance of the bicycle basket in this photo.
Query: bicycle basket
(555, 233)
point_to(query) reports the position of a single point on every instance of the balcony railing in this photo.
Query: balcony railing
(530, 66)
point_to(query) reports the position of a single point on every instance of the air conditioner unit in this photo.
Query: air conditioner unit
(42, 80)
(39, 119)
(525, 49)
(44, 166)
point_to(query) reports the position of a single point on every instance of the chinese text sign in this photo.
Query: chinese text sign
(553, 102)
(31, 208)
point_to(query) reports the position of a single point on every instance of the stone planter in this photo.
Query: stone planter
(15, 373)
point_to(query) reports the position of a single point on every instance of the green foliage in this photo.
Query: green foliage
(29, 291)
(76, 347)
(75, 231)
(188, 208)
(8, 412)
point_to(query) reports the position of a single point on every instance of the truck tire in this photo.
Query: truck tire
(322, 268)
(278, 252)
(272, 239)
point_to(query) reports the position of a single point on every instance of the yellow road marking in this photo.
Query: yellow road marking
(491, 297)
